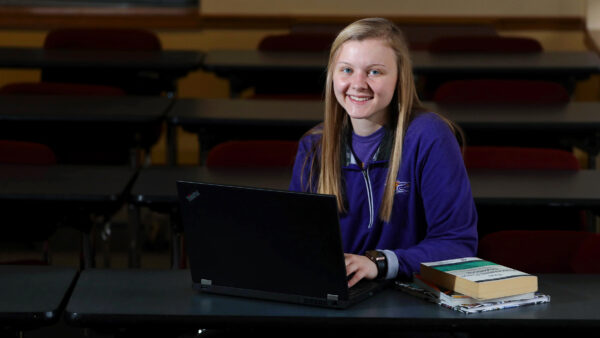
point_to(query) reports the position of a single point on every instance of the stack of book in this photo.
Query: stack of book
(471, 285)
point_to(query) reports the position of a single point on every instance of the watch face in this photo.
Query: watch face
(379, 259)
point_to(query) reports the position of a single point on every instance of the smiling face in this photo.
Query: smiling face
(365, 74)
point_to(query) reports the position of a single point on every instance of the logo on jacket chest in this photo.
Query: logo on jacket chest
(402, 187)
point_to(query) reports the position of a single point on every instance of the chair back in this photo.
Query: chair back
(475, 44)
(524, 158)
(297, 82)
(543, 251)
(102, 39)
(518, 217)
(56, 88)
(253, 153)
(501, 91)
(23, 152)
(484, 44)
(298, 42)
(133, 82)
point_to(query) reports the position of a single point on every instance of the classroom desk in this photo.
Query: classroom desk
(126, 122)
(155, 299)
(242, 67)
(33, 296)
(73, 190)
(167, 65)
(216, 120)
(155, 188)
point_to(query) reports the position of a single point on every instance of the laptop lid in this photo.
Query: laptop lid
(264, 243)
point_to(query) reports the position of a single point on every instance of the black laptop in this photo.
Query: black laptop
(269, 244)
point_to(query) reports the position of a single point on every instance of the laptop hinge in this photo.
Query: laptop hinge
(332, 298)
(205, 283)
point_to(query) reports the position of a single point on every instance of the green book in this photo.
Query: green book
(478, 278)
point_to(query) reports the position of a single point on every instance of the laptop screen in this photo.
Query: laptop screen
(259, 239)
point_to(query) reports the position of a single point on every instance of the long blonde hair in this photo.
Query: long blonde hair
(404, 103)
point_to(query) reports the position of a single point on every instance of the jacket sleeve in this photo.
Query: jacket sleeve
(301, 169)
(447, 201)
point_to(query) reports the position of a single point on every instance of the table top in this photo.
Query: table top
(209, 112)
(84, 109)
(33, 296)
(64, 183)
(165, 60)
(576, 63)
(156, 185)
(537, 187)
(279, 113)
(161, 297)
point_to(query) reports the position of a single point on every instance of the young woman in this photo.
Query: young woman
(396, 170)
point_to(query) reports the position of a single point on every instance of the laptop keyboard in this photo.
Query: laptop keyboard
(364, 285)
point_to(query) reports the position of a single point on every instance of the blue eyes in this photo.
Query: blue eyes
(372, 72)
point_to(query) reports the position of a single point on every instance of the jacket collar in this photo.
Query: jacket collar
(382, 154)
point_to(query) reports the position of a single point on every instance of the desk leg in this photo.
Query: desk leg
(202, 148)
(134, 236)
(171, 144)
(105, 235)
(236, 86)
(87, 248)
(592, 159)
(176, 240)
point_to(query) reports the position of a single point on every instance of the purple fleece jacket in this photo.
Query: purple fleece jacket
(434, 216)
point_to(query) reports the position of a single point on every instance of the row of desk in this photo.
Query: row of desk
(244, 67)
(102, 190)
(216, 120)
(163, 302)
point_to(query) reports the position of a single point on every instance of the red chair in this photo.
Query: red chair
(300, 83)
(497, 218)
(482, 157)
(543, 251)
(56, 88)
(253, 153)
(420, 36)
(299, 42)
(21, 224)
(22, 152)
(105, 39)
(472, 44)
(501, 91)
(93, 147)
(484, 44)
(102, 39)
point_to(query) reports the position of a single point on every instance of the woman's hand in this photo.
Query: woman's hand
(359, 267)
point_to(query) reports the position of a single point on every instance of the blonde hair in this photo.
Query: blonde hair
(403, 104)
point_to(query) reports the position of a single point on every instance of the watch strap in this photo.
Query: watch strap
(380, 261)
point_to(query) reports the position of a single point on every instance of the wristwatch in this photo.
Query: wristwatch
(379, 259)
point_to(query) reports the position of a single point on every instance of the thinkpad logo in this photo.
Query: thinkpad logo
(192, 196)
